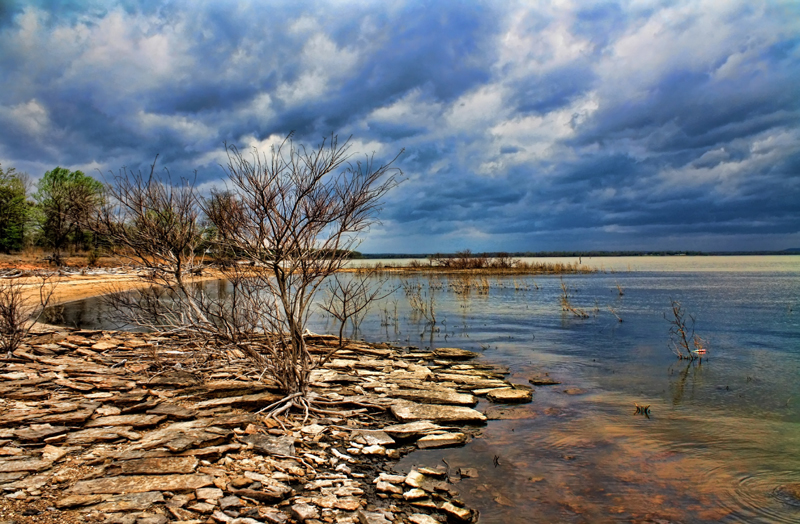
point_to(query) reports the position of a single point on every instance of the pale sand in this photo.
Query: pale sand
(76, 287)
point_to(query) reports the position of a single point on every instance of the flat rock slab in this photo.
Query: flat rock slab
(135, 421)
(454, 353)
(181, 436)
(128, 502)
(368, 517)
(411, 412)
(92, 435)
(255, 401)
(412, 429)
(458, 514)
(421, 518)
(39, 432)
(112, 503)
(574, 391)
(441, 441)
(268, 494)
(157, 466)
(174, 379)
(510, 396)
(16, 466)
(172, 411)
(271, 445)
(140, 484)
(543, 381)
(72, 418)
(372, 437)
(435, 396)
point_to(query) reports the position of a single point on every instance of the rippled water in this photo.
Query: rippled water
(722, 437)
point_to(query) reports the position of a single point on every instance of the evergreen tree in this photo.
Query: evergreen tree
(67, 199)
(14, 209)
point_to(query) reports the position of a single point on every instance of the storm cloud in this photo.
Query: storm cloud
(525, 125)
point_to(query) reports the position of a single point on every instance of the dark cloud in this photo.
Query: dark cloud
(524, 127)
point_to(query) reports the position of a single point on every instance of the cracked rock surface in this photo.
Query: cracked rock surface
(147, 428)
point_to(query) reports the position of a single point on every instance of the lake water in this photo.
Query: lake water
(722, 437)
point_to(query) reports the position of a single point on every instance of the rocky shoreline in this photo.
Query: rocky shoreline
(132, 428)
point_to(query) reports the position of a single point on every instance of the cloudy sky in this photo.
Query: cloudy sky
(526, 125)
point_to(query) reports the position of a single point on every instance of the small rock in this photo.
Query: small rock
(387, 477)
(415, 479)
(348, 504)
(271, 445)
(304, 512)
(221, 517)
(438, 472)
(454, 354)
(155, 519)
(209, 493)
(240, 482)
(468, 472)
(421, 518)
(372, 438)
(441, 441)
(574, 391)
(202, 507)
(543, 381)
(181, 514)
(272, 515)
(367, 517)
(386, 487)
(415, 494)
(229, 502)
(313, 429)
(456, 513)
(510, 396)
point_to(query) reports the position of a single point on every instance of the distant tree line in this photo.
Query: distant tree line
(52, 214)
(57, 214)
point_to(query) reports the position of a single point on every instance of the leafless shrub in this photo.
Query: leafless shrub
(566, 302)
(349, 296)
(614, 312)
(683, 340)
(156, 223)
(21, 310)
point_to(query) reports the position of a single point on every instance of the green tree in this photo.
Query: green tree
(14, 209)
(67, 200)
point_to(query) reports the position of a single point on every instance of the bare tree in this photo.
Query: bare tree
(158, 225)
(349, 296)
(20, 310)
(288, 221)
(298, 215)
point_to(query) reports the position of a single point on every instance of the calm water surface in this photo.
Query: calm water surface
(722, 436)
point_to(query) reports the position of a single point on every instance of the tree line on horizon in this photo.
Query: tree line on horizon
(50, 214)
